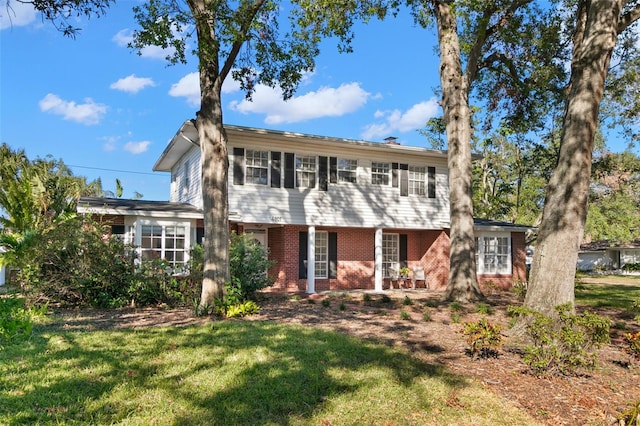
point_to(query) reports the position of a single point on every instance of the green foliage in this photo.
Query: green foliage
(248, 265)
(455, 318)
(519, 288)
(632, 342)
(243, 309)
(16, 320)
(385, 299)
(407, 301)
(366, 298)
(404, 315)
(484, 339)
(484, 309)
(631, 267)
(631, 416)
(565, 343)
(342, 307)
(426, 315)
(326, 303)
(455, 306)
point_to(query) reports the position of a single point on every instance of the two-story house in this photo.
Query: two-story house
(334, 213)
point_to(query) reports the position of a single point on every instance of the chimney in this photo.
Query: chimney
(391, 140)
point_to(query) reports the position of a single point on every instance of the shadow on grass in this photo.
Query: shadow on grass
(231, 372)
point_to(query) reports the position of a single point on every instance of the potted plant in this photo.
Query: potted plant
(404, 272)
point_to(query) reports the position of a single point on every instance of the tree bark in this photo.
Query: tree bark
(214, 159)
(560, 234)
(463, 282)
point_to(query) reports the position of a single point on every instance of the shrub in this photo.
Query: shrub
(484, 339)
(326, 303)
(632, 341)
(426, 315)
(484, 309)
(519, 288)
(631, 267)
(343, 307)
(366, 298)
(455, 306)
(565, 343)
(407, 301)
(243, 309)
(404, 315)
(248, 265)
(16, 320)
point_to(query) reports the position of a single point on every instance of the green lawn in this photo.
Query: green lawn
(232, 373)
(613, 292)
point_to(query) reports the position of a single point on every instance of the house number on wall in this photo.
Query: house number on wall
(276, 219)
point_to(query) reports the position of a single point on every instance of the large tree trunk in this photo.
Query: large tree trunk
(560, 234)
(214, 159)
(463, 282)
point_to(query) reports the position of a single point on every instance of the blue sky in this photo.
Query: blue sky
(109, 113)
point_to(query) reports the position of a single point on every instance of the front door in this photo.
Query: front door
(260, 235)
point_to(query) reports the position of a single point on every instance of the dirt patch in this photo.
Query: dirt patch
(592, 399)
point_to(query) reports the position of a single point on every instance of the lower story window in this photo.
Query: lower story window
(168, 242)
(493, 254)
(390, 255)
(322, 254)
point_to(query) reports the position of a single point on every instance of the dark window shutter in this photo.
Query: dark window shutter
(276, 168)
(394, 175)
(117, 229)
(404, 179)
(403, 250)
(238, 166)
(302, 256)
(289, 169)
(431, 182)
(199, 235)
(333, 255)
(333, 170)
(322, 173)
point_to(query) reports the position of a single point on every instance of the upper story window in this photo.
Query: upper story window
(417, 178)
(305, 171)
(347, 170)
(493, 254)
(380, 173)
(257, 167)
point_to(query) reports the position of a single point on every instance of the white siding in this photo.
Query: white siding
(344, 204)
(186, 179)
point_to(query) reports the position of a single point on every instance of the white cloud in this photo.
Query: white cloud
(132, 84)
(325, 102)
(124, 37)
(87, 113)
(16, 14)
(397, 121)
(137, 147)
(188, 87)
(110, 143)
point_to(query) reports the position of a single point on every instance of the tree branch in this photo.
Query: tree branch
(628, 18)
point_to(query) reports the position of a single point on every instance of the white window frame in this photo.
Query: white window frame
(380, 170)
(493, 253)
(629, 256)
(347, 170)
(417, 180)
(259, 162)
(321, 256)
(390, 253)
(135, 233)
(306, 167)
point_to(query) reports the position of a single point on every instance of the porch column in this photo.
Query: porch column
(377, 267)
(311, 260)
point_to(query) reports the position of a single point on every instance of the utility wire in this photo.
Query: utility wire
(119, 171)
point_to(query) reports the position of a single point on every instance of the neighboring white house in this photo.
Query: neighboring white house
(607, 255)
